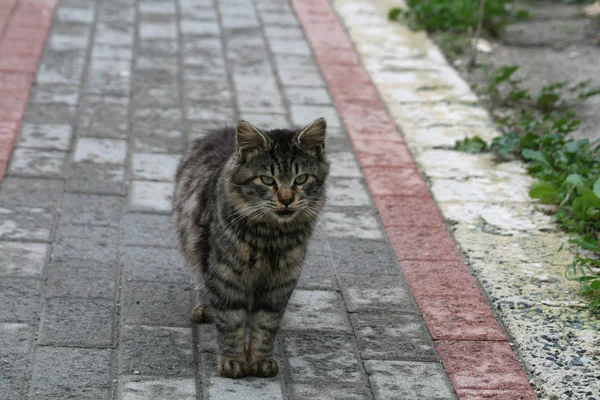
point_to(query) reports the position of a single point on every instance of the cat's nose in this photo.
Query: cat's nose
(285, 197)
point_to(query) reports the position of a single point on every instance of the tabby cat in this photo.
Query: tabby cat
(245, 205)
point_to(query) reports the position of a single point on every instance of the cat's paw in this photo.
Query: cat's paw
(264, 368)
(234, 368)
(200, 314)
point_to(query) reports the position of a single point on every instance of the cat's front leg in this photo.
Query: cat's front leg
(231, 328)
(264, 325)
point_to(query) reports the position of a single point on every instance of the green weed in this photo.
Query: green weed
(567, 170)
(457, 16)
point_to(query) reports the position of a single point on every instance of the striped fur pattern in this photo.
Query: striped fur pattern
(245, 204)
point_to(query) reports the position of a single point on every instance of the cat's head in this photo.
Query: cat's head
(280, 174)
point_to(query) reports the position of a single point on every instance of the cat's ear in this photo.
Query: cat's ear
(248, 138)
(312, 138)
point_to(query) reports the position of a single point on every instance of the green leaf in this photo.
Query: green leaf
(503, 74)
(545, 192)
(586, 245)
(596, 187)
(394, 13)
(471, 145)
(589, 197)
(534, 155)
(575, 180)
(595, 285)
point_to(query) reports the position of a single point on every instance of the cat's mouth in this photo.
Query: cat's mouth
(286, 212)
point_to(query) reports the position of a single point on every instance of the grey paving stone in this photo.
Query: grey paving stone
(53, 137)
(316, 272)
(316, 310)
(278, 18)
(61, 67)
(197, 67)
(75, 14)
(195, 27)
(155, 30)
(331, 392)
(392, 380)
(115, 51)
(303, 115)
(149, 230)
(20, 299)
(253, 388)
(343, 164)
(156, 303)
(111, 32)
(56, 367)
(272, 31)
(347, 192)
(361, 223)
(322, 358)
(153, 117)
(15, 341)
(26, 223)
(156, 388)
(156, 96)
(82, 278)
(155, 167)
(211, 111)
(159, 140)
(203, 47)
(163, 69)
(157, 7)
(159, 75)
(255, 83)
(208, 89)
(78, 322)
(50, 113)
(91, 177)
(43, 93)
(77, 208)
(100, 151)
(151, 264)
(376, 293)
(158, 47)
(393, 337)
(307, 95)
(301, 77)
(103, 116)
(34, 193)
(158, 351)
(266, 121)
(22, 259)
(361, 256)
(260, 102)
(82, 242)
(79, 41)
(37, 163)
(294, 61)
(239, 20)
(289, 46)
(108, 77)
(151, 196)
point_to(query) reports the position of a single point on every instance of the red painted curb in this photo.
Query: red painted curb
(470, 342)
(24, 27)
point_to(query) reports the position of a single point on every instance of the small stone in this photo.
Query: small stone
(576, 362)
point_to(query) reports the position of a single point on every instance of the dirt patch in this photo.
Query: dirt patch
(557, 44)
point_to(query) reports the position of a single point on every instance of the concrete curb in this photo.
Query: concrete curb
(24, 27)
(473, 349)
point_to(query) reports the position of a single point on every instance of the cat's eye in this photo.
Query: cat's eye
(267, 180)
(300, 179)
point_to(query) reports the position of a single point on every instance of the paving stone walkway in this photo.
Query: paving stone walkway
(95, 301)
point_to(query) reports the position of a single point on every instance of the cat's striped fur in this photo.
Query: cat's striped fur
(245, 205)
